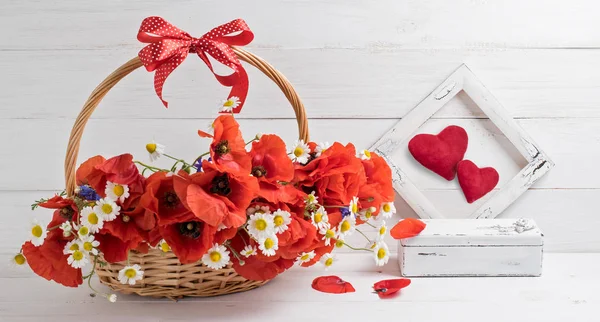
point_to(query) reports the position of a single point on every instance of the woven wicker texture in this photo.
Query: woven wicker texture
(164, 276)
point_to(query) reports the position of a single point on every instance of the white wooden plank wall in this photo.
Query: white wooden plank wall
(359, 66)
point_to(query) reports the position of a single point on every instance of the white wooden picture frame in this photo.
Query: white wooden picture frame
(463, 79)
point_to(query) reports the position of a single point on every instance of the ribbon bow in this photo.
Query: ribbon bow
(169, 46)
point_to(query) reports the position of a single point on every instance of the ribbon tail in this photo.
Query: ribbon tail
(240, 89)
(163, 71)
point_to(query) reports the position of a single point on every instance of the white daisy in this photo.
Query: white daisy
(229, 104)
(83, 232)
(365, 155)
(301, 152)
(66, 228)
(381, 230)
(367, 214)
(328, 260)
(311, 199)
(248, 251)
(328, 234)
(18, 260)
(72, 246)
(346, 227)
(131, 274)
(217, 257)
(388, 209)
(261, 225)
(116, 192)
(339, 243)
(107, 209)
(162, 245)
(305, 257)
(38, 233)
(281, 219)
(155, 150)
(268, 245)
(381, 253)
(353, 207)
(319, 218)
(321, 147)
(78, 259)
(112, 298)
(90, 245)
(91, 220)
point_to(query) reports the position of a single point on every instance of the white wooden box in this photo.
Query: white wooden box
(473, 247)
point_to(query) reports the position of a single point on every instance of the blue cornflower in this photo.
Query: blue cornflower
(87, 193)
(198, 165)
(345, 212)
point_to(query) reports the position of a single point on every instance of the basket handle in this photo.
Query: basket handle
(101, 90)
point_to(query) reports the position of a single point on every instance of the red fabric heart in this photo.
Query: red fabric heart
(332, 284)
(440, 153)
(387, 288)
(475, 182)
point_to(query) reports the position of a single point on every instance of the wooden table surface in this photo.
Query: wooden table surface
(567, 290)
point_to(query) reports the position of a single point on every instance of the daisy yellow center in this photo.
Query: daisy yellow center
(382, 231)
(298, 151)
(84, 231)
(74, 247)
(339, 243)
(93, 218)
(329, 233)
(151, 147)
(37, 231)
(260, 224)
(165, 247)
(278, 221)
(215, 256)
(354, 208)
(130, 273)
(269, 243)
(387, 207)
(19, 259)
(107, 209)
(228, 103)
(368, 214)
(88, 246)
(318, 217)
(367, 153)
(304, 257)
(311, 198)
(345, 226)
(328, 262)
(381, 253)
(119, 190)
(77, 255)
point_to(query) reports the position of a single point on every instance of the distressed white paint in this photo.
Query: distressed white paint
(463, 80)
(473, 247)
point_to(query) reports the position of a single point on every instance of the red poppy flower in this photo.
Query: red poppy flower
(336, 175)
(387, 288)
(162, 199)
(406, 228)
(301, 236)
(271, 165)
(379, 175)
(228, 149)
(332, 284)
(189, 238)
(66, 209)
(113, 248)
(49, 262)
(216, 197)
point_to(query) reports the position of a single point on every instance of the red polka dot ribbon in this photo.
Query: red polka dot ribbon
(169, 46)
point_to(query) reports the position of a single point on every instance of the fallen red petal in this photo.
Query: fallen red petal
(203, 134)
(332, 284)
(387, 288)
(409, 227)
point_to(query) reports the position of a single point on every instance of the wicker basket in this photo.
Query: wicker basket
(164, 275)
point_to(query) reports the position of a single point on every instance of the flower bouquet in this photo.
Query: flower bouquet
(232, 219)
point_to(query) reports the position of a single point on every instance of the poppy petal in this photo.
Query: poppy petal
(332, 284)
(205, 207)
(387, 288)
(203, 134)
(409, 227)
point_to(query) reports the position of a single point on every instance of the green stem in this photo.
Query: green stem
(235, 253)
(368, 223)
(178, 160)
(356, 248)
(200, 157)
(368, 239)
(149, 167)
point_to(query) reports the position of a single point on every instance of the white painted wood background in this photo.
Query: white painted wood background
(358, 65)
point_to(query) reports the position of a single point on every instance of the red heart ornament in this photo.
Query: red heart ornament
(440, 153)
(475, 182)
